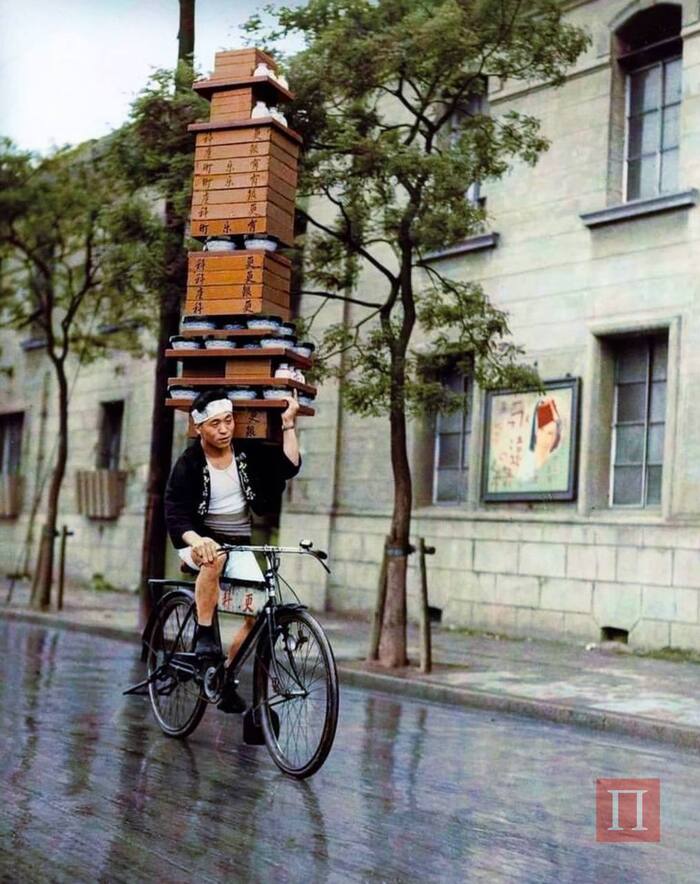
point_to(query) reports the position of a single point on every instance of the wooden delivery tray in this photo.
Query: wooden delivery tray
(248, 165)
(204, 126)
(242, 196)
(243, 210)
(257, 291)
(229, 278)
(227, 333)
(243, 404)
(252, 134)
(269, 181)
(258, 423)
(211, 273)
(282, 383)
(287, 154)
(265, 87)
(236, 307)
(224, 353)
(240, 62)
(284, 231)
(218, 268)
(240, 259)
(245, 298)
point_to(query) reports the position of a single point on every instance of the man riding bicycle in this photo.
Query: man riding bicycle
(211, 491)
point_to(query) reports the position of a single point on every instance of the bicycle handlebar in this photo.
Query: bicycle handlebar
(305, 548)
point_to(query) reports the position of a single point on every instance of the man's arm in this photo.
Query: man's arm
(178, 517)
(290, 443)
(204, 549)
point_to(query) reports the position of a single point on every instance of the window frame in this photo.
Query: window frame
(649, 340)
(112, 451)
(465, 433)
(476, 104)
(5, 442)
(629, 72)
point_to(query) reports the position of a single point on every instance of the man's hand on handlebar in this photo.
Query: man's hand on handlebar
(205, 551)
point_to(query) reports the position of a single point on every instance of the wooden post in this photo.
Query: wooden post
(373, 652)
(65, 534)
(426, 657)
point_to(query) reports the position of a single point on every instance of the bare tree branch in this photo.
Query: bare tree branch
(356, 248)
(336, 297)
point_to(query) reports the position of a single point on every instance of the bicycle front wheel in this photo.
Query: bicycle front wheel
(296, 688)
(175, 697)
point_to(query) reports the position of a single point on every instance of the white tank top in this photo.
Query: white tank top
(225, 493)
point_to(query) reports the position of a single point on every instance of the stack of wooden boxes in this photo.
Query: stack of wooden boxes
(245, 180)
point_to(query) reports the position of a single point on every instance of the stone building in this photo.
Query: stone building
(102, 500)
(593, 253)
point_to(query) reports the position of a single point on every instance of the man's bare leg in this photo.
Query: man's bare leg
(239, 638)
(206, 590)
(206, 594)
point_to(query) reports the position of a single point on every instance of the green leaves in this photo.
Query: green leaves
(462, 328)
(76, 246)
(390, 100)
(154, 149)
(379, 89)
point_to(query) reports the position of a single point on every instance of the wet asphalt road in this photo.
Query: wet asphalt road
(91, 790)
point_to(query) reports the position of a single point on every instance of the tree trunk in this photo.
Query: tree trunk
(43, 574)
(392, 645)
(39, 473)
(185, 34)
(154, 531)
(162, 422)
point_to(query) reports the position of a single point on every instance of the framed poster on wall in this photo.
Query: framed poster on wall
(531, 443)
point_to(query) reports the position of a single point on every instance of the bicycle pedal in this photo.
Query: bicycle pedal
(231, 701)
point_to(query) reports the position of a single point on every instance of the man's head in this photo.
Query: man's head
(212, 413)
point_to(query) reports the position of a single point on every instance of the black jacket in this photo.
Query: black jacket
(263, 471)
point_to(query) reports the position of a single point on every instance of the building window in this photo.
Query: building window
(639, 420)
(110, 439)
(650, 55)
(476, 105)
(11, 442)
(452, 443)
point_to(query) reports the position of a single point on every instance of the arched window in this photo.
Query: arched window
(649, 50)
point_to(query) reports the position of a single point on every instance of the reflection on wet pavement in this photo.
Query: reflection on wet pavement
(92, 791)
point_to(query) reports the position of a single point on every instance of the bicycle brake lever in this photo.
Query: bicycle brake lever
(320, 557)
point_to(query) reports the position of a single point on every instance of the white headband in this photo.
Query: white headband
(213, 409)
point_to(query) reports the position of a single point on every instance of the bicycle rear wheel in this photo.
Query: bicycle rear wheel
(175, 697)
(296, 687)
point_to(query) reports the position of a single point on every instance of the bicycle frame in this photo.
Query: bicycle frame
(265, 619)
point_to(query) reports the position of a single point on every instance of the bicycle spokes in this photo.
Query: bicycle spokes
(172, 668)
(296, 678)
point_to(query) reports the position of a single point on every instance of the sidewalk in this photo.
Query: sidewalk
(599, 688)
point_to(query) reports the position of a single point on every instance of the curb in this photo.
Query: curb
(612, 722)
(52, 621)
(419, 689)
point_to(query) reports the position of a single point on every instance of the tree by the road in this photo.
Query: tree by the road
(388, 102)
(155, 154)
(66, 273)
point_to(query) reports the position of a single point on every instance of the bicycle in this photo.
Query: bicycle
(295, 681)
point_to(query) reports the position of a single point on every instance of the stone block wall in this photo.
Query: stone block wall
(557, 570)
(109, 548)
(536, 578)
